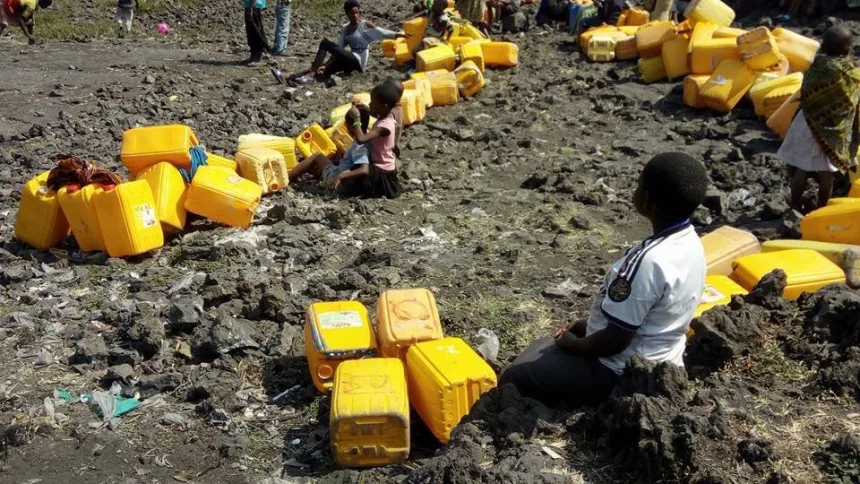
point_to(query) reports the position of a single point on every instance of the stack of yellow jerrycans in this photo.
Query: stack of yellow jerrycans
(720, 64)
(119, 219)
(373, 376)
(171, 161)
(736, 262)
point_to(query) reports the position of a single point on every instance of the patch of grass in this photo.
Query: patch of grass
(516, 322)
(318, 9)
(768, 361)
(155, 7)
(58, 25)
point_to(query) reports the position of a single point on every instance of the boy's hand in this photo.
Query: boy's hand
(352, 115)
(334, 184)
(565, 341)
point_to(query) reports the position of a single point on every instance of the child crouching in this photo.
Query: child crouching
(369, 168)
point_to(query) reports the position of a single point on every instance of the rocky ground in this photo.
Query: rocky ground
(518, 199)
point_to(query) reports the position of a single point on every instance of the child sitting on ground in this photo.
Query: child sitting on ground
(645, 304)
(21, 13)
(369, 168)
(825, 135)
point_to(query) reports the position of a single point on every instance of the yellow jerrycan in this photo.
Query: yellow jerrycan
(315, 140)
(335, 332)
(40, 222)
(222, 195)
(406, 317)
(146, 146)
(470, 80)
(263, 166)
(77, 205)
(168, 192)
(128, 219)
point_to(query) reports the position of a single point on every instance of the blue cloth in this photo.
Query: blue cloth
(198, 158)
(283, 16)
(356, 155)
(261, 4)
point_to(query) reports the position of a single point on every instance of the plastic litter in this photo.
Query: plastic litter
(174, 419)
(61, 394)
(487, 344)
(163, 29)
(285, 393)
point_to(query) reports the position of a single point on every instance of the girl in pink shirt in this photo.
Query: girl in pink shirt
(355, 176)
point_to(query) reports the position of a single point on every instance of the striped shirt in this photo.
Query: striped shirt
(653, 292)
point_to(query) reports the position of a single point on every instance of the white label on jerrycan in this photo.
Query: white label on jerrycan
(711, 295)
(234, 179)
(146, 213)
(720, 81)
(340, 319)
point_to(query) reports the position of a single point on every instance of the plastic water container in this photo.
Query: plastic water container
(430, 74)
(718, 292)
(218, 160)
(727, 86)
(601, 48)
(776, 98)
(402, 54)
(758, 49)
(728, 32)
(335, 332)
(692, 86)
(759, 91)
(585, 37)
(263, 166)
(424, 86)
(805, 270)
(713, 11)
(78, 208)
(799, 50)
(500, 54)
(128, 219)
(470, 79)
(783, 117)
(439, 57)
(283, 145)
(414, 30)
(445, 378)
(223, 196)
(637, 16)
(652, 69)
(169, 191)
(144, 147)
(40, 222)
(651, 37)
(315, 140)
(836, 223)
(676, 59)
(445, 90)
(389, 47)
(625, 49)
(834, 252)
(724, 245)
(406, 317)
(341, 136)
(457, 42)
(709, 54)
(369, 417)
(702, 31)
(409, 102)
(472, 52)
(855, 189)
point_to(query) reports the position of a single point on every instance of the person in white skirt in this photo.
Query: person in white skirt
(825, 135)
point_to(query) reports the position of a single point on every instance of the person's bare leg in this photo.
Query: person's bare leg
(825, 188)
(313, 165)
(798, 186)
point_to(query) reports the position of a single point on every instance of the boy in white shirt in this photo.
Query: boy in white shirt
(645, 304)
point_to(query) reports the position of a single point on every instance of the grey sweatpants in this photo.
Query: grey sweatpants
(548, 374)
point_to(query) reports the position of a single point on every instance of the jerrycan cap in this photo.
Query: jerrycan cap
(325, 371)
(72, 188)
(307, 135)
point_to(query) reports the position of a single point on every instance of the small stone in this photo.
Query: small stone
(582, 222)
(149, 79)
(715, 201)
(465, 134)
(736, 155)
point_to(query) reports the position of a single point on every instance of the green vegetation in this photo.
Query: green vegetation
(318, 9)
(58, 25)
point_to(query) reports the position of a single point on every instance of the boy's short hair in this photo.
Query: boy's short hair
(837, 40)
(397, 83)
(386, 94)
(348, 5)
(45, 3)
(676, 183)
